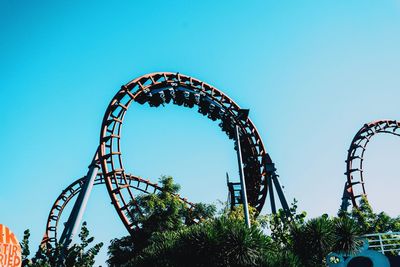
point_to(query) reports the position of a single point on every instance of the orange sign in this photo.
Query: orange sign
(10, 250)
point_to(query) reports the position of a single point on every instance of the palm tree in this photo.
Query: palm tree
(219, 242)
(313, 241)
(346, 236)
(281, 258)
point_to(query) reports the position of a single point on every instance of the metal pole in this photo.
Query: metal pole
(381, 243)
(271, 195)
(346, 197)
(242, 179)
(75, 218)
(281, 196)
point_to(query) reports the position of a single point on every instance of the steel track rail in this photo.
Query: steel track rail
(135, 183)
(355, 185)
(161, 88)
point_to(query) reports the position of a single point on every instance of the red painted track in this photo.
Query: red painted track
(135, 183)
(162, 88)
(158, 89)
(355, 185)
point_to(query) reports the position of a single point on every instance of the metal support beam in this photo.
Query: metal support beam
(347, 191)
(74, 221)
(242, 178)
(281, 196)
(271, 195)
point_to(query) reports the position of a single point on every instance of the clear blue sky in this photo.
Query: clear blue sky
(311, 72)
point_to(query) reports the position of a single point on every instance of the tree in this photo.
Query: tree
(370, 222)
(218, 242)
(237, 213)
(281, 225)
(155, 213)
(312, 241)
(281, 258)
(25, 248)
(79, 255)
(167, 235)
(346, 236)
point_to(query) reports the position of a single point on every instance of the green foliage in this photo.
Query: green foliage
(25, 247)
(200, 211)
(164, 210)
(281, 226)
(79, 255)
(281, 258)
(159, 212)
(370, 222)
(168, 237)
(219, 242)
(346, 236)
(120, 251)
(237, 213)
(312, 241)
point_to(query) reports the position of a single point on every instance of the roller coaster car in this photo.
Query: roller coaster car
(204, 106)
(169, 94)
(179, 98)
(141, 98)
(227, 127)
(156, 99)
(189, 99)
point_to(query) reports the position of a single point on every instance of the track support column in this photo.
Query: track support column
(75, 218)
(242, 178)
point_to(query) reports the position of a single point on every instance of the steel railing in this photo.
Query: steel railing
(384, 242)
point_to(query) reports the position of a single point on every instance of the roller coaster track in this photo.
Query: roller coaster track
(355, 184)
(158, 89)
(161, 88)
(68, 194)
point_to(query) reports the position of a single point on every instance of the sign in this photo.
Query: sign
(10, 250)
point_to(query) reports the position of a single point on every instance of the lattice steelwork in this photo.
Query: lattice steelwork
(355, 185)
(158, 89)
(138, 184)
(161, 88)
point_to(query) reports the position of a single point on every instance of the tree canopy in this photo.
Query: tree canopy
(80, 254)
(170, 233)
(167, 236)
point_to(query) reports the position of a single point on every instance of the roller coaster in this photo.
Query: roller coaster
(355, 185)
(159, 89)
(107, 168)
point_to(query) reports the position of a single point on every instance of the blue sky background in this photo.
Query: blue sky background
(311, 72)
